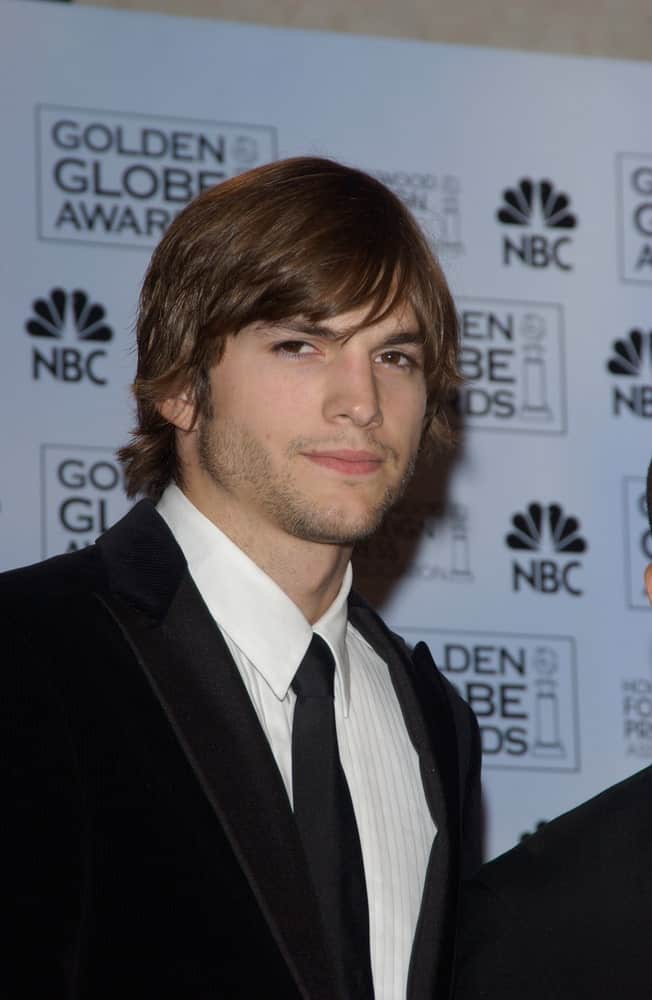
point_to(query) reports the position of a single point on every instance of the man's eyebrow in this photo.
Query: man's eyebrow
(404, 337)
(304, 326)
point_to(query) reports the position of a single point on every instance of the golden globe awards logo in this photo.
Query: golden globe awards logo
(512, 360)
(419, 539)
(636, 694)
(638, 541)
(540, 209)
(119, 179)
(82, 495)
(634, 184)
(549, 541)
(68, 329)
(522, 689)
(435, 200)
(631, 364)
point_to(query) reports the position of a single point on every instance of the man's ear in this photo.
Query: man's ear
(179, 411)
(648, 581)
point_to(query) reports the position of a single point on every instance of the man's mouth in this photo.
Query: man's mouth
(347, 461)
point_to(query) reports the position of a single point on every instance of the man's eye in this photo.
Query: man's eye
(295, 348)
(397, 359)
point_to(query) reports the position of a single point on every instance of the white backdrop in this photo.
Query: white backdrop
(521, 562)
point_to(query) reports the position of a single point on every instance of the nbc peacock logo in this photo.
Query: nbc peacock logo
(529, 199)
(537, 206)
(630, 362)
(68, 326)
(553, 540)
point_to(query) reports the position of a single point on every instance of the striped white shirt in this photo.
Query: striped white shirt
(268, 636)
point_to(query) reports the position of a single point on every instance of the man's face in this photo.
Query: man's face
(314, 430)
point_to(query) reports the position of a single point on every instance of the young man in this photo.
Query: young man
(566, 913)
(228, 778)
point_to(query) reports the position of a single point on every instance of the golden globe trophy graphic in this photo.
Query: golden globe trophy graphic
(450, 239)
(244, 150)
(547, 736)
(460, 564)
(535, 405)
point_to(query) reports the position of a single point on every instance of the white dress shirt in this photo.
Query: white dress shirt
(268, 636)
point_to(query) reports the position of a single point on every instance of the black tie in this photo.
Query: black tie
(326, 821)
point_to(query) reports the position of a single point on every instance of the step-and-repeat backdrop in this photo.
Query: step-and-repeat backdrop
(520, 558)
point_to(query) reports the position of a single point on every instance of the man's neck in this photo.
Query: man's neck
(310, 573)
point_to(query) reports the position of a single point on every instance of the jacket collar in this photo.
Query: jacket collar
(143, 561)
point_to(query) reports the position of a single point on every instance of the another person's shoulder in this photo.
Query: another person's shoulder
(565, 913)
(582, 842)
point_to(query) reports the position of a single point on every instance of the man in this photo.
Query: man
(228, 778)
(567, 913)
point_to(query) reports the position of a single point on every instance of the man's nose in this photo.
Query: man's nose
(352, 393)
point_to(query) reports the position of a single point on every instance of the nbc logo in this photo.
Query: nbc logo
(631, 357)
(546, 528)
(66, 317)
(536, 206)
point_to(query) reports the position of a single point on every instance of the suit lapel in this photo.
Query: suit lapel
(428, 719)
(192, 674)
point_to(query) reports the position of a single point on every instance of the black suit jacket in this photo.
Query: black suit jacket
(566, 915)
(148, 845)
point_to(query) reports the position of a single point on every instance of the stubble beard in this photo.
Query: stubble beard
(236, 461)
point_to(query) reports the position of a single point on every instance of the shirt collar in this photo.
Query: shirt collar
(249, 606)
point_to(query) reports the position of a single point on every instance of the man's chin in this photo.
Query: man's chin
(341, 516)
(336, 527)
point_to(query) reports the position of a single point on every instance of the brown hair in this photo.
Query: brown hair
(301, 237)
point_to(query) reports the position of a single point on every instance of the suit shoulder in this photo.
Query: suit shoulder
(50, 582)
(583, 843)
